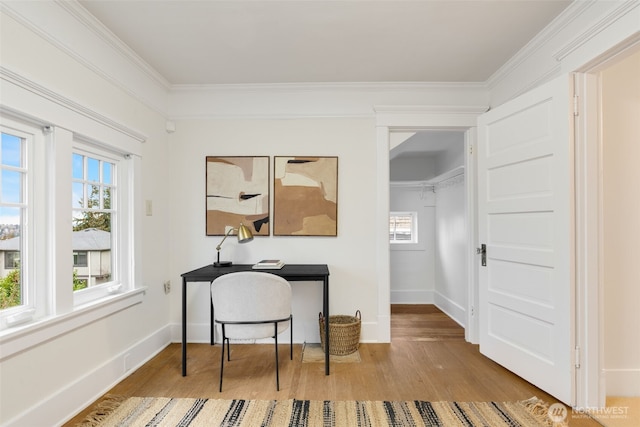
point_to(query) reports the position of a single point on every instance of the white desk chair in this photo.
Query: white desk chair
(252, 305)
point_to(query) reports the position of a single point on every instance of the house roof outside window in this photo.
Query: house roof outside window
(90, 239)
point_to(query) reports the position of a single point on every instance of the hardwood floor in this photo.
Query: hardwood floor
(427, 359)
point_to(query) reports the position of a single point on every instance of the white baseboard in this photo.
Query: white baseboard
(412, 296)
(303, 332)
(74, 397)
(451, 308)
(622, 382)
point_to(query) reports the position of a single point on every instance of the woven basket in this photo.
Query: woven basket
(344, 333)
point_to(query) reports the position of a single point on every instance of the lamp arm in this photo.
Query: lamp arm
(231, 230)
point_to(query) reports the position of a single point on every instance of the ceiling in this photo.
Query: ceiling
(428, 143)
(324, 41)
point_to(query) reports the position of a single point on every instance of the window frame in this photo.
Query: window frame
(414, 228)
(120, 215)
(56, 311)
(33, 299)
(78, 255)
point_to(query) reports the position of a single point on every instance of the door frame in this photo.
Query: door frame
(590, 385)
(417, 118)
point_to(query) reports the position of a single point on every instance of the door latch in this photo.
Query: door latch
(482, 251)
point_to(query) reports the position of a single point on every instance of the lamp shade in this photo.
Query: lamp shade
(244, 234)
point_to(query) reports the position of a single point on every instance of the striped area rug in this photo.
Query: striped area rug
(150, 411)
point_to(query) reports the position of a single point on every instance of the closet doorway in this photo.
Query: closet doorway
(429, 242)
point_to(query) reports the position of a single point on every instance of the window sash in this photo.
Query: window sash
(93, 176)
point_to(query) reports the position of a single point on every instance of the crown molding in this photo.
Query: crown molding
(320, 87)
(592, 31)
(83, 16)
(317, 100)
(37, 89)
(542, 39)
(68, 26)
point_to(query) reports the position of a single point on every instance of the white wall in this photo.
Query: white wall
(412, 266)
(621, 226)
(55, 377)
(350, 256)
(451, 249)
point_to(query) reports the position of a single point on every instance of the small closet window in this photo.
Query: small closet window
(403, 227)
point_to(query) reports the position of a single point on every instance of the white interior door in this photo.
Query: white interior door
(525, 208)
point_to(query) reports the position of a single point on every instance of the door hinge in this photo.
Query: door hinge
(577, 357)
(576, 112)
(470, 149)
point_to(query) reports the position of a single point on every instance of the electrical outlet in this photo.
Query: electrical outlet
(167, 286)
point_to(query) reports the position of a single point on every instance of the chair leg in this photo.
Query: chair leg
(275, 335)
(224, 338)
(291, 339)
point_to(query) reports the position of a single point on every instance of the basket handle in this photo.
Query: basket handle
(358, 315)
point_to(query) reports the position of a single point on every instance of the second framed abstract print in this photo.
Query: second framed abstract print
(305, 196)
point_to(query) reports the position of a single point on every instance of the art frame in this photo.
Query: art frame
(237, 191)
(305, 196)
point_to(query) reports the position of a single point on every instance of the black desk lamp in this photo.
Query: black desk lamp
(244, 236)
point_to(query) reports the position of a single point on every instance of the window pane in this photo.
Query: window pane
(78, 166)
(94, 197)
(11, 150)
(11, 186)
(77, 198)
(106, 173)
(106, 198)
(12, 177)
(93, 170)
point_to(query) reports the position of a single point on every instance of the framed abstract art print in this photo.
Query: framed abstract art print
(305, 196)
(237, 191)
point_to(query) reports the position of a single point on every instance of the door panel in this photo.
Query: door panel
(525, 208)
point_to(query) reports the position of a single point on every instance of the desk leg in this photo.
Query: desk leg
(184, 327)
(325, 309)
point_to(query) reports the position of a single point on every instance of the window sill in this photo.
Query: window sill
(20, 338)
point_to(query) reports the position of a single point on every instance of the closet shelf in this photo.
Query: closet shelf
(430, 182)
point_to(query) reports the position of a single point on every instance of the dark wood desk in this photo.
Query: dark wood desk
(290, 272)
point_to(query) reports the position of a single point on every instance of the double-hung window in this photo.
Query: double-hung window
(67, 230)
(94, 219)
(100, 214)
